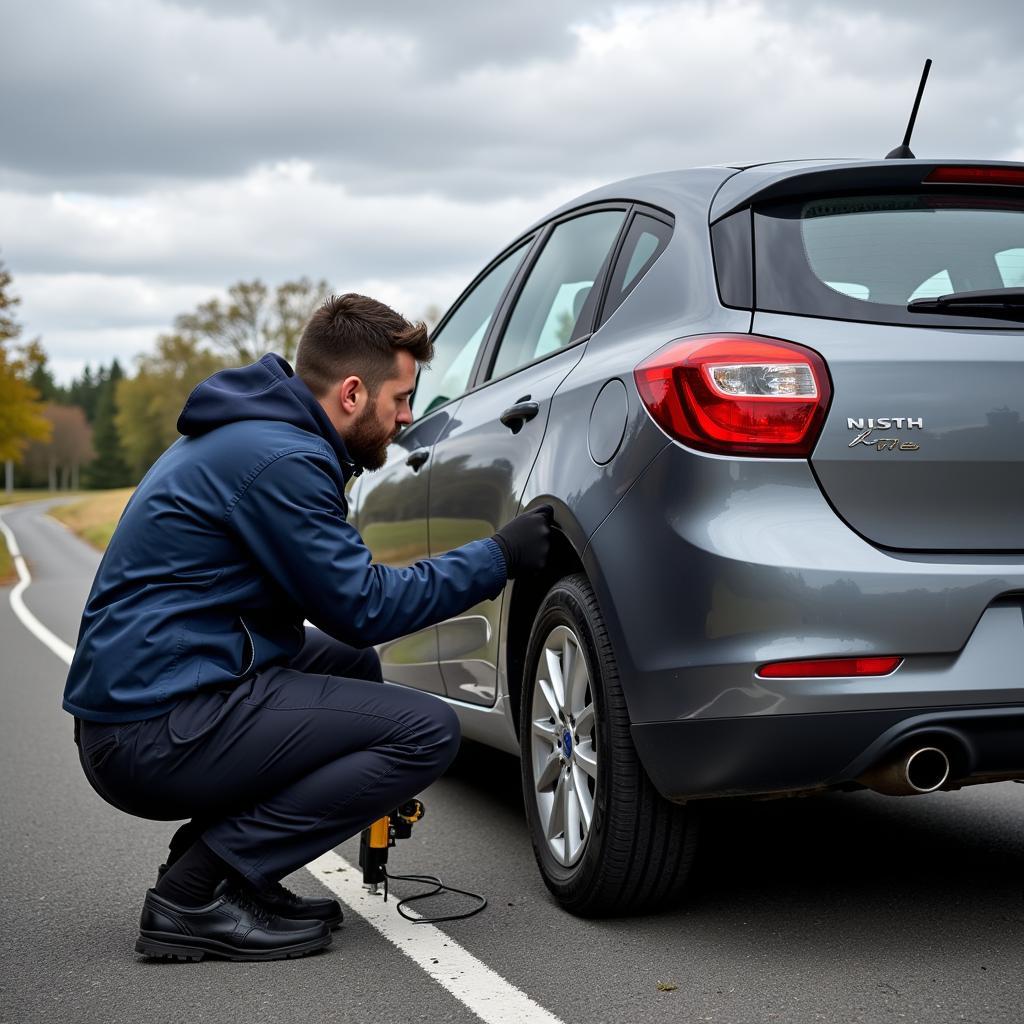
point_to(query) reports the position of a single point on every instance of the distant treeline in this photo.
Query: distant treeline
(107, 427)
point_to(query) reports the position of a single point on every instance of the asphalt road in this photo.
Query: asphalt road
(845, 908)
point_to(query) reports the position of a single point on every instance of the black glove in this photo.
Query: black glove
(526, 540)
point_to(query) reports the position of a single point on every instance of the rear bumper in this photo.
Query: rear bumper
(792, 753)
(710, 567)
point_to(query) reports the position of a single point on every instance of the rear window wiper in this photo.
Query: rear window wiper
(1000, 303)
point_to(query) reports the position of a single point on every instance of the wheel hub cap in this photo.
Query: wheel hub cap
(563, 745)
(567, 744)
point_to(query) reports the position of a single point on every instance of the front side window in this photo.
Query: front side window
(457, 342)
(547, 313)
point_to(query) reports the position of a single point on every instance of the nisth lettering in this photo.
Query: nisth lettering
(885, 423)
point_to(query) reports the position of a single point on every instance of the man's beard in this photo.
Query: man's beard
(367, 440)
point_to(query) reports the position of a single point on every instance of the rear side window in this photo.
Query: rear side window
(1011, 267)
(644, 243)
(547, 314)
(865, 257)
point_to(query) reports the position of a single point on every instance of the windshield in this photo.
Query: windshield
(865, 257)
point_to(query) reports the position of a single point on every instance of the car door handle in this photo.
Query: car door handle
(417, 458)
(516, 415)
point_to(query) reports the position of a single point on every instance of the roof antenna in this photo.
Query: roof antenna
(903, 152)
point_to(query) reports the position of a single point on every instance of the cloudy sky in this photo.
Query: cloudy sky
(155, 151)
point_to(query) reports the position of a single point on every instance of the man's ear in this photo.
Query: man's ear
(348, 393)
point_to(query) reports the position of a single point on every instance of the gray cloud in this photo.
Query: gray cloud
(157, 150)
(123, 91)
(276, 222)
(485, 100)
(446, 38)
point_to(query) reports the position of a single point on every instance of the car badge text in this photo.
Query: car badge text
(884, 444)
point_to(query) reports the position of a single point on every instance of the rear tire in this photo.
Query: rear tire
(635, 852)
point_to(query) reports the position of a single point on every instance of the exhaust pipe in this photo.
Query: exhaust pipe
(922, 770)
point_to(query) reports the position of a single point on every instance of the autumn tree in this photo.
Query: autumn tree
(56, 463)
(70, 445)
(9, 327)
(148, 404)
(254, 320)
(21, 412)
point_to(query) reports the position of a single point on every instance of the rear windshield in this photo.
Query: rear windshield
(865, 257)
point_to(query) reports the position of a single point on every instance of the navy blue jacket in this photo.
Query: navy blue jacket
(236, 534)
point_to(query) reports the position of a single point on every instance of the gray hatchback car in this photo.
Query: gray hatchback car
(778, 412)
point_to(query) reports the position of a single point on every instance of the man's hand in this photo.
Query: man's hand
(526, 540)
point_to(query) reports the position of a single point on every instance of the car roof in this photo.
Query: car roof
(727, 187)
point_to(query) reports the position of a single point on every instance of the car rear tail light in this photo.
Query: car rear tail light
(737, 394)
(976, 176)
(829, 667)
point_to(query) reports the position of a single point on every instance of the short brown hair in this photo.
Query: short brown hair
(354, 335)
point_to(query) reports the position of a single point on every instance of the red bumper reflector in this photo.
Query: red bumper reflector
(829, 667)
(976, 176)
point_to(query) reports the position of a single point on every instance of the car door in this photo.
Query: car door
(392, 502)
(482, 462)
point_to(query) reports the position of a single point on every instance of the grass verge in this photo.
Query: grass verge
(7, 573)
(33, 494)
(93, 518)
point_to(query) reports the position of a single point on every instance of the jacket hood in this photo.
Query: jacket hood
(267, 390)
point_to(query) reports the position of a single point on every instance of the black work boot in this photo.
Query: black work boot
(234, 925)
(286, 903)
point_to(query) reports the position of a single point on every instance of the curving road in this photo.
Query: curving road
(845, 908)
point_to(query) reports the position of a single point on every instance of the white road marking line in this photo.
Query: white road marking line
(28, 620)
(475, 985)
(481, 990)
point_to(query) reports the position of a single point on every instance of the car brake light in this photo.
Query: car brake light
(737, 394)
(829, 667)
(976, 176)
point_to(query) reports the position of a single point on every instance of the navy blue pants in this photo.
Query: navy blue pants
(279, 769)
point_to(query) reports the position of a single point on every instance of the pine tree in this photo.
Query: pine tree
(41, 377)
(109, 468)
(84, 391)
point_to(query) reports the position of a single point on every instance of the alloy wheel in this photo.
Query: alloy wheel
(563, 747)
